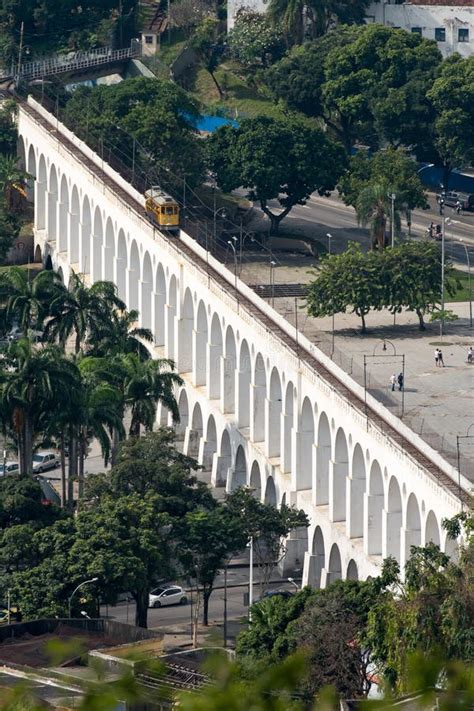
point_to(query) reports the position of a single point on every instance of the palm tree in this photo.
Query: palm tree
(11, 178)
(31, 384)
(373, 208)
(82, 310)
(291, 15)
(121, 335)
(145, 384)
(26, 300)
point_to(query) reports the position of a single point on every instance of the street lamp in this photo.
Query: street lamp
(86, 582)
(232, 246)
(250, 545)
(272, 280)
(392, 197)
(216, 212)
(329, 236)
(469, 285)
(291, 580)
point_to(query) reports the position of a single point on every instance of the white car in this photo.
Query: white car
(43, 461)
(9, 468)
(167, 595)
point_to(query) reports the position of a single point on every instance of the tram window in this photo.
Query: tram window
(168, 210)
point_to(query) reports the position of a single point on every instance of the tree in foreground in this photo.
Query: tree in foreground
(275, 159)
(254, 40)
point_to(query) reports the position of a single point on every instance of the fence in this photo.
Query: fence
(76, 61)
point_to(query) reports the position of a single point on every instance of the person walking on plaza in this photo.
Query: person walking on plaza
(400, 381)
(436, 354)
(393, 380)
(470, 355)
(440, 358)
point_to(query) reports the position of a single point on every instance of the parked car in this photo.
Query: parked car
(43, 461)
(171, 595)
(452, 198)
(275, 593)
(9, 468)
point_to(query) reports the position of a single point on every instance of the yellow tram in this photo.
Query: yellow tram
(161, 208)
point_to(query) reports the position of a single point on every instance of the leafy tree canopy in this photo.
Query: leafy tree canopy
(254, 40)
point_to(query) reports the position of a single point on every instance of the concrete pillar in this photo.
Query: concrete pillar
(296, 548)
(321, 490)
(184, 355)
(62, 230)
(391, 534)
(273, 430)
(191, 445)
(170, 330)
(200, 364)
(243, 402)
(40, 204)
(51, 215)
(220, 470)
(373, 536)
(206, 452)
(257, 413)
(214, 370)
(73, 237)
(230, 385)
(337, 491)
(314, 573)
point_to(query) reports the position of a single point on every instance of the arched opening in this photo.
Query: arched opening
(97, 242)
(224, 461)
(318, 559)
(48, 265)
(109, 251)
(160, 303)
(305, 459)
(40, 197)
(375, 501)
(323, 458)
(230, 365)
(394, 520)
(335, 566)
(183, 407)
(38, 255)
(63, 236)
(195, 433)
(133, 278)
(451, 548)
(239, 475)
(146, 289)
(52, 205)
(357, 491)
(215, 359)
(86, 222)
(32, 175)
(172, 309)
(74, 223)
(61, 274)
(210, 444)
(432, 530)
(270, 492)
(201, 345)
(288, 429)
(122, 261)
(244, 386)
(256, 481)
(259, 397)
(352, 572)
(339, 478)
(186, 325)
(274, 415)
(413, 526)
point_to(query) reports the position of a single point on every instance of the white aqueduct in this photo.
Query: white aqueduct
(253, 409)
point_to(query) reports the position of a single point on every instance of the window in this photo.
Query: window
(148, 39)
(417, 31)
(440, 34)
(463, 35)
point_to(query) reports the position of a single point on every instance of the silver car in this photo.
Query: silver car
(9, 468)
(43, 461)
(167, 595)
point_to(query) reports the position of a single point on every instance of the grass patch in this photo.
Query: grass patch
(462, 293)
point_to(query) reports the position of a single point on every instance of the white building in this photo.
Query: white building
(450, 24)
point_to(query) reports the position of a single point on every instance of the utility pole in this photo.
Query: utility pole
(20, 51)
(225, 605)
(443, 229)
(392, 197)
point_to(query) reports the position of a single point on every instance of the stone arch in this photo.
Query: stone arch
(109, 251)
(202, 338)
(146, 290)
(340, 476)
(352, 572)
(288, 415)
(97, 243)
(305, 465)
(274, 415)
(48, 263)
(133, 278)
(32, 174)
(38, 257)
(186, 326)
(256, 481)
(374, 511)
(215, 359)
(230, 365)
(160, 303)
(209, 444)
(63, 236)
(40, 196)
(172, 311)
(74, 223)
(432, 530)
(223, 462)
(183, 407)
(86, 222)
(61, 274)
(259, 398)
(322, 461)
(334, 565)
(122, 262)
(239, 475)
(357, 491)
(195, 433)
(270, 492)
(317, 562)
(52, 204)
(244, 386)
(394, 520)
(412, 525)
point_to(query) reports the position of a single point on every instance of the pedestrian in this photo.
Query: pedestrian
(393, 380)
(437, 357)
(431, 229)
(470, 355)
(458, 207)
(440, 358)
(400, 381)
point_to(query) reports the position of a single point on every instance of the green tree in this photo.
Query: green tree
(119, 335)
(254, 40)
(12, 180)
(8, 132)
(208, 45)
(26, 301)
(9, 229)
(284, 160)
(21, 503)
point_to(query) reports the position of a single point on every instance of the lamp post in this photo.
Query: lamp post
(443, 230)
(250, 544)
(291, 580)
(232, 246)
(272, 280)
(469, 285)
(85, 582)
(216, 212)
(329, 236)
(392, 197)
